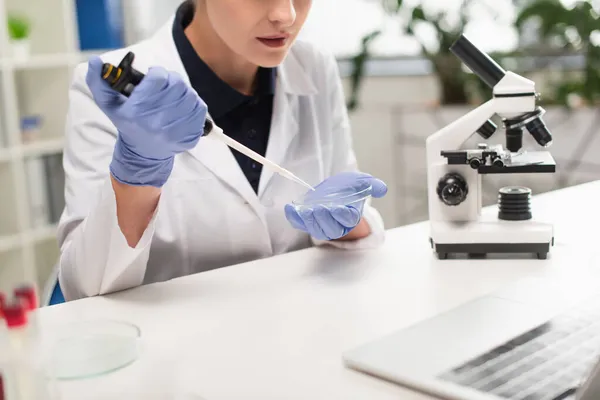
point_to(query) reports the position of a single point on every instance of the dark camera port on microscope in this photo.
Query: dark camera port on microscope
(487, 129)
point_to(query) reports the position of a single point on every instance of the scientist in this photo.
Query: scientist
(148, 200)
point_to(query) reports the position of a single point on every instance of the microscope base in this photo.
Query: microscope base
(494, 237)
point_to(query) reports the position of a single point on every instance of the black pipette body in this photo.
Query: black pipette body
(124, 78)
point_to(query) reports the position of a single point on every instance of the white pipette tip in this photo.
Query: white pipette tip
(218, 133)
(287, 174)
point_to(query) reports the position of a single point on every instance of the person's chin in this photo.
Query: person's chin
(270, 60)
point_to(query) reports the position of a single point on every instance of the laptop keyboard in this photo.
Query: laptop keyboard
(545, 363)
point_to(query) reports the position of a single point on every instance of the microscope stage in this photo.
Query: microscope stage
(528, 162)
(491, 235)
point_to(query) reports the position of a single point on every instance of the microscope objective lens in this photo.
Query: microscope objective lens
(514, 139)
(540, 132)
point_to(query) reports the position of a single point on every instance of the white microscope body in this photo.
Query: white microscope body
(457, 224)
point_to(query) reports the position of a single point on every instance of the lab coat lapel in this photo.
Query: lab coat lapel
(213, 154)
(284, 127)
(218, 158)
(292, 83)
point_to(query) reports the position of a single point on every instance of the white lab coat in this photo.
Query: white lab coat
(208, 214)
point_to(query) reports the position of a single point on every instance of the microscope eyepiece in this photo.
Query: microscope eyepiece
(480, 63)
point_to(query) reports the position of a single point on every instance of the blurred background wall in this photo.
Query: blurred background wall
(401, 82)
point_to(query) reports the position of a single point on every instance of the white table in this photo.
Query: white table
(276, 328)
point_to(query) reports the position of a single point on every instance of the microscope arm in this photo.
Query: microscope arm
(452, 136)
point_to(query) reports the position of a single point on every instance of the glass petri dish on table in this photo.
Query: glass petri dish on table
(354, 196)
(87, 349)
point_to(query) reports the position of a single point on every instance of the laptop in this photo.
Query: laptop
(537, 339)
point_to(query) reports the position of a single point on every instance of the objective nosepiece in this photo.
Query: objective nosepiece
(534, 124)
(480, 63)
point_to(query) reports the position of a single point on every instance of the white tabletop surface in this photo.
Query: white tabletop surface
(276, 328)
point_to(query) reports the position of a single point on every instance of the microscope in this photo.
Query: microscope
(454, 174)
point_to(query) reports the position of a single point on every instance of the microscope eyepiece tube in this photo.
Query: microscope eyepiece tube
(480, 63)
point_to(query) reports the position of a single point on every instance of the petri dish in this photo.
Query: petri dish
(338, 196)
(88, 349)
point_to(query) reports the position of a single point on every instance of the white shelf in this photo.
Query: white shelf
(41, 62)
(38, 148)
(11, 242)
(42, 147)
(37, 85)
(5, 154)
(41, 234)
(33, 236)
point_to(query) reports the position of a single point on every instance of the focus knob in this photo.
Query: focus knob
(452, 189)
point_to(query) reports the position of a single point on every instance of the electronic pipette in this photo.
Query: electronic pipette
(124, 78)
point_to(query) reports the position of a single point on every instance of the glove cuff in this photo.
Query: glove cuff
(130, 168)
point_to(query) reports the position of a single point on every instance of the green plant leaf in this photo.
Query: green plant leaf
(358, 68)
(418, 14)
(557, 21)
(551, 14)
(18, 27)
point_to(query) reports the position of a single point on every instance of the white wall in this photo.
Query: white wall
(144, 17)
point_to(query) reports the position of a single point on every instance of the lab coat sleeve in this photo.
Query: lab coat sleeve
(95, 258)
(344, 158)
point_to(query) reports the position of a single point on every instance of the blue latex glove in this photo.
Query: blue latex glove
(162, 117)
(333, 222)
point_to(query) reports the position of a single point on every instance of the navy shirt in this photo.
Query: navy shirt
(246, 119)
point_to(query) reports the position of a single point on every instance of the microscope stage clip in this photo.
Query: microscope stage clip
(487, 161)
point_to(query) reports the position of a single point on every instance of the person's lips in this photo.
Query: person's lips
(275, 41)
